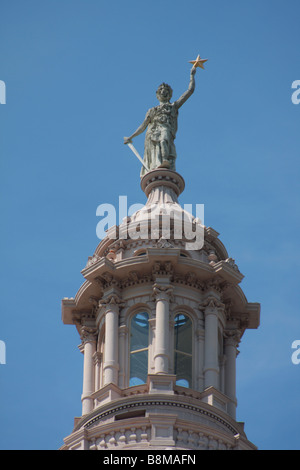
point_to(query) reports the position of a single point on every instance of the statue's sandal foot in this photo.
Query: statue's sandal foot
(165, 164)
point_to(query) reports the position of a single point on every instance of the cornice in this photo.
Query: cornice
(186, 403)
(220, 279)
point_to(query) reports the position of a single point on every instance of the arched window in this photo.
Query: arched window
(183, 350)
(139, 344)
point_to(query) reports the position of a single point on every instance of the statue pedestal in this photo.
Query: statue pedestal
(163, 177)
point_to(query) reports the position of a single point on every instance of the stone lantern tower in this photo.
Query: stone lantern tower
(160, 322)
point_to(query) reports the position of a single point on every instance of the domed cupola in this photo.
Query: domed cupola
(160, 320)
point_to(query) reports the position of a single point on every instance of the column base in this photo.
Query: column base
(161, 383)
(215, 398)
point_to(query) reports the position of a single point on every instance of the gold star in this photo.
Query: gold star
(198, 62)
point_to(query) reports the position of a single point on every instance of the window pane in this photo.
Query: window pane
(183, 334)
(139, 339)
(183, 350)
(183, 369)
(138, 367)
(139, 332)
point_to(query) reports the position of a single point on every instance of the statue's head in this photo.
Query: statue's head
(164, 93)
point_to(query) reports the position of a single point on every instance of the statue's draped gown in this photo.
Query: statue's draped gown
(162, 126)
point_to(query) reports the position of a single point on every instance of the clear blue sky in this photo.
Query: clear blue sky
(80, 75)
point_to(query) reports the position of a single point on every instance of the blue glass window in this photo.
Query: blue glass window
(139, 344)
(183, 350)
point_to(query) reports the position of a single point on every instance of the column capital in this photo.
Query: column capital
(88, 334)
(211, 304)
(111, 301)
(232, 337)
(162, 291)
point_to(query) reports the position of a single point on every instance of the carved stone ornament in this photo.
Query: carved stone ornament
(191, 278)
(232, 337)
(107, 277)
(88, 333)
(112, 299)
(228, 307)
(164, 243)
(211, 303)
(162, 292)
(162, 268)
(215, 284)
(133, 276)
(95, 302)
(107, 280)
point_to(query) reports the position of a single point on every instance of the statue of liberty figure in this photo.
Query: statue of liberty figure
(161, 125)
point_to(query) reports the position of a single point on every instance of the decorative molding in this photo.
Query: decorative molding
(158, 403)
(100, 282)
(142, 433)
(215, 283)
(190, 280)
(87, 319)
(107, 280)
(76, 318)
(134, 278)
(165, 268)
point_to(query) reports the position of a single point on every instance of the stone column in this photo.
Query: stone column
(123, 354)
(88, 335)
(162, 295)
(200, 359)
(232, 338)
(222, 361)
(111, 350)
(152, 344)
(211, 362)
(97, 362)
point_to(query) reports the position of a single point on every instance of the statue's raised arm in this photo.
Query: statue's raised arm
(161, 125)
(189, 91)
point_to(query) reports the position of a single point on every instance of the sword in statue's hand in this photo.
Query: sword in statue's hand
(134, 150)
